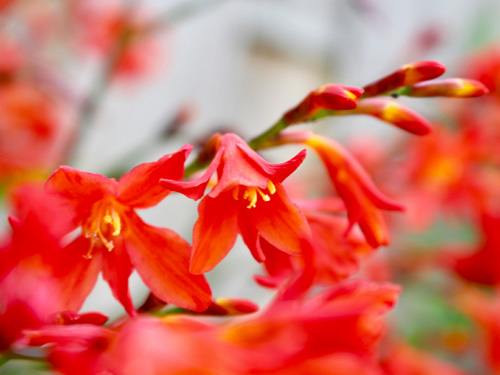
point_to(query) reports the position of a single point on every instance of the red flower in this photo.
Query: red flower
(363, 200)
(34, 129)
(116, 240)
(247, 199)
(332, 256)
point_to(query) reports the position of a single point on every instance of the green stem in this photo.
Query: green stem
(258, 142)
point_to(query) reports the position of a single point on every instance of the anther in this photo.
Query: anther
(271, 187)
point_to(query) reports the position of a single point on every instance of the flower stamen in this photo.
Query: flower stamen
(97, 228)
(252, 193)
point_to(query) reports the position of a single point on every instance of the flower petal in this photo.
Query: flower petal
(80, 190)
(116, 271)
(139, 188)
(279, 221)
(250, 236)
(77, 276)
(278, 172)
(161, 258)
(214, 233)
(196, 188)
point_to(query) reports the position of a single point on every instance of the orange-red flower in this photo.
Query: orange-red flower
(247, 199)
(34, 129)
(332, 255)
(339, 327)
(363, 200)
(115, 240)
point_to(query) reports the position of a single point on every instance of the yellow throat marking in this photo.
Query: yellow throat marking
(104, 219)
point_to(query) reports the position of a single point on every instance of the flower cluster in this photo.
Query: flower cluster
(316, 245)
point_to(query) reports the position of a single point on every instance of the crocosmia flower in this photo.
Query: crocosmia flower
(248, 199)
(364, 202)
(115, 240)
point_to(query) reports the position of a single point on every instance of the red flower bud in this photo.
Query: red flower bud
(330, 97)
(453, 87)
(407, 75)
(394, 113)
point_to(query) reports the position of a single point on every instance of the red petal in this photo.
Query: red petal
(80, 189)
(250, 235)
(278, 172)
(214, 233)
(139, 188)
(77, 275)
(196, 188)
(279, 221)
(116, 271)
(161, 258)
(340, 161)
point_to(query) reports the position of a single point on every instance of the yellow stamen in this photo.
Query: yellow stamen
(117, 224)
(104, 221)
(271, 187)
(251, 195)
(265, 197)
(107, 218)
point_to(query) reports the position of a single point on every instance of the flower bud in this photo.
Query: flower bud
(453, 87)
(329, 97)
(407, 75)
(395, 114)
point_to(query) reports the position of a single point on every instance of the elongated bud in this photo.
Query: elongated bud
(407, 75)
(453, 88)
(330, 97)
(395, 114)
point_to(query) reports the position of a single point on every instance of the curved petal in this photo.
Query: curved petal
(77, 276)
(116, 270)
(80, 190)
(161, 258)
(237, 168)
(196, 188)
(280, 222)
(139, 188)
(214, 233)
(278, 171)
(250, 234)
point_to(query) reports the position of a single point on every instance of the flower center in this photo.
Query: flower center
(252, 193)
(103, 223)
